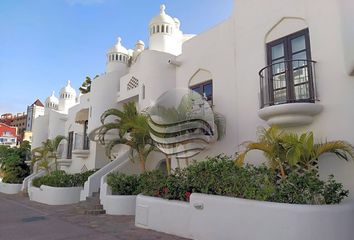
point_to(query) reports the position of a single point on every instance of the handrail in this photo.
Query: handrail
(285, 61)
(288, 81)
(94, 181)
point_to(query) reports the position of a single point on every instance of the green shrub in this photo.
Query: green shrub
(123, 184)
(220, 176)
(62, 179)
(309, 189)
(152, 183)
(12, 163)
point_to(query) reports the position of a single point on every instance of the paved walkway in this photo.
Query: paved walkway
(22, 219)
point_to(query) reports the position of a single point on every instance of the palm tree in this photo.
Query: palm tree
(46, 153)
(133, 131)
(86, 85)
(289, 150)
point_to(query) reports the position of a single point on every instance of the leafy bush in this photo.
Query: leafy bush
(62, 179)
(308, 189)
(12, 163)
(152, 183)
(220, 176)
(123, 184)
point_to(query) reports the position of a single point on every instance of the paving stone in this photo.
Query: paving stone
(67, 222)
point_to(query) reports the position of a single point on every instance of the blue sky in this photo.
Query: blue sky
(44, 43)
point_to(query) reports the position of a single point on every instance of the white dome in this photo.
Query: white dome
(118, 48)
(162, 17)
(68, 90)
(52, 99)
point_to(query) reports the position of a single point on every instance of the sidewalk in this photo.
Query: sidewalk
(22, 219)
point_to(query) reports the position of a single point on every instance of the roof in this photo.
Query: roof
(162, 17)
(38, 103)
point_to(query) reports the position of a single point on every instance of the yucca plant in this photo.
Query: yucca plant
(292, 151)
(47, 153)
(133, 131)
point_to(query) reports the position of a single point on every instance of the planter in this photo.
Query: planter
(10, 188)
(55, 196)
(119, 204)
(172, 217)
(217, 217)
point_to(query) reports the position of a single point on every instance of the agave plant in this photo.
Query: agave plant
(133, 131)
(46, 153)
(289, 150)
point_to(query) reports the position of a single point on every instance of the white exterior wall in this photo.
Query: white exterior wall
(213, 51)
(40, 131)
(167, 43)
(232, 53)
(335, 86)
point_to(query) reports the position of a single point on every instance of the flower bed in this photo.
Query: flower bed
(219, 200)
(55, 195)
(58, 188)
(10, 188)
(118, 194)
(220, 176)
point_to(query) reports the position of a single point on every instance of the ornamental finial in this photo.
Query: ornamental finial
(162, 9)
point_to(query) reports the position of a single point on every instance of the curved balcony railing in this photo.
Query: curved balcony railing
(290, 81)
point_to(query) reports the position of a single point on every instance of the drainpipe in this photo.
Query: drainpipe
(174, 62)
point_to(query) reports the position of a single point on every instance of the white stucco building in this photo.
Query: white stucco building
(283, 62)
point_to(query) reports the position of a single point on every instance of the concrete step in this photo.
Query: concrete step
(95, 211)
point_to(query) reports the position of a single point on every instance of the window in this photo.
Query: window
(86, 138)
(162, 28)
(205, 89)
(70, 145)
(158, 28)
(153, 29)
(290, 77)
(167, 27)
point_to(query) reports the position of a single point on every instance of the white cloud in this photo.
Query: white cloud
(85, 2)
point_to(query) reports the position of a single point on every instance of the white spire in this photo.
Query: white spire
(162, 9)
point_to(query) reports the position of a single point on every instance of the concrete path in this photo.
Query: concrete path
(21, 219)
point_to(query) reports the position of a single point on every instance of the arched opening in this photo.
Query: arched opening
(162, 166)
(162, 28)
(202, 83)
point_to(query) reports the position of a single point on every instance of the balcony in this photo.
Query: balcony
(288, 93)
(81, 146)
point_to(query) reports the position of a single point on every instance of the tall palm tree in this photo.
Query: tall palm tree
(47, 153)
(133, 131)
(288, 150)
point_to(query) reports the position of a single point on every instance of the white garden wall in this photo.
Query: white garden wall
(209, 217)
(172, 217)
(55, 196)
(9, 188)
(233, 218)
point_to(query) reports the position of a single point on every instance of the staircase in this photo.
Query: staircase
(92, 205)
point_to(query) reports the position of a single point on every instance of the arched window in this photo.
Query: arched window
(167, 28)
(162, 28)
(202, 83)
(158, 28)
(116, 57)
(120, 57)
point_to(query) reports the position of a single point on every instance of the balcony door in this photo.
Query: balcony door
(290, 76)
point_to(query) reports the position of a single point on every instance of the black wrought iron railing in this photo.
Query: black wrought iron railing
(288, 81)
